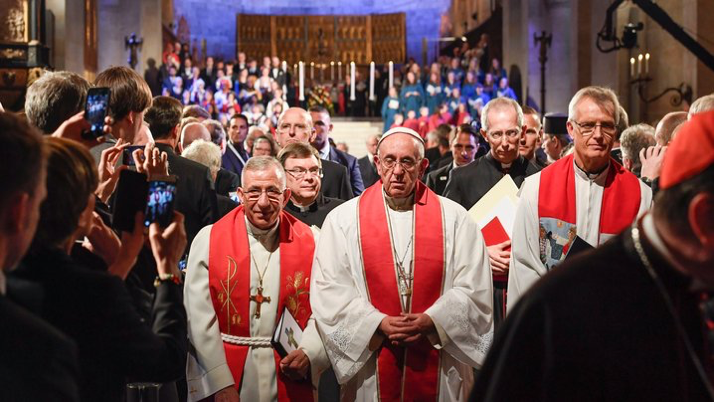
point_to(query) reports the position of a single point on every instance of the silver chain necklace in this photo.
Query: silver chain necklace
(405, 279)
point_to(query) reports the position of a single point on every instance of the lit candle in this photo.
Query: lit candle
(352, 81)
(647, 64)
(639, 64)
(332, 71)
(339, 71)
(371, 81)
(285, 66)
(391, 74)
(302, 81)
(632, 66)
(312, 71)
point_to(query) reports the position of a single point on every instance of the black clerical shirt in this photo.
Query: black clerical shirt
(316, 213)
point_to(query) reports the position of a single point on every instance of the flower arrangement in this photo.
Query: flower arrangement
(320, 96)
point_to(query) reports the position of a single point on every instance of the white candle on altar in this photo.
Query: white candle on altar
(332, 71)
(639, 64)
(371, 81)
(647, 64)
(302, 81)
(312, 71)
(632, 66)
(339, 71)
(285, 66)
(391, 74)
(352, 81)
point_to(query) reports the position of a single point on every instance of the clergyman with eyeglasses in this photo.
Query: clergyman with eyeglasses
(243, 272)
(585, 194)
(304, 177)
(503, 126)
(401, 289)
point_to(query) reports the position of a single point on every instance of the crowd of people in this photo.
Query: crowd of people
(452, 90)
(396, 292)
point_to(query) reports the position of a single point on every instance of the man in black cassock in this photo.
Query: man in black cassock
(503, 127)
(304, 179)
(463, 149)
(624, 321)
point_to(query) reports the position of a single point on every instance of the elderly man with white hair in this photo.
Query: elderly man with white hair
(244, 272)
(401, 287)
(585, 194)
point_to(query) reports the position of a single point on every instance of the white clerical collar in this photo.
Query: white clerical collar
(325, 151)
(267, 237)
(598, 178)
(2, 282)
(506, 165)
(399, 204)
(304, 208)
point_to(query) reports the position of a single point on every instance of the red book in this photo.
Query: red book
(494, 233)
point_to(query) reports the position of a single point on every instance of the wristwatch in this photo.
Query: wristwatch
(167, 278)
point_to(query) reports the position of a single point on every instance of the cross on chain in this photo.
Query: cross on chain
(259, 299)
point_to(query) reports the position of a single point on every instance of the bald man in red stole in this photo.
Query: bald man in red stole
(242, 273)
(401, 287)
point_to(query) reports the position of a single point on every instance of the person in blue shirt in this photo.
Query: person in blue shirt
(451, 84)
(476, 103)
(412, 95)
(497, 71)
(390, 107)
(453, 101)
(468, 90)
(457, 70)
(489, 86)
(504, 90)
(434, 92)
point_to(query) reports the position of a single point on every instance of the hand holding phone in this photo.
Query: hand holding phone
(160, 201)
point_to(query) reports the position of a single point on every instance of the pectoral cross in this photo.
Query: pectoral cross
(259, 299)
(291, 337)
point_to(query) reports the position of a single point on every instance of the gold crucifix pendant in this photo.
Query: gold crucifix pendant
(259, 299)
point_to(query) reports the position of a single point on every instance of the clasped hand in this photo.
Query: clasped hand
(295, 365)
(406, 329)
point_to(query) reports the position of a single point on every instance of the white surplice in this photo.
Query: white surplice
(207, 371)
(348, 322)
(526, 267)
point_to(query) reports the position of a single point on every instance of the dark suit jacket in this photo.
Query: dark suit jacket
(225, 205)
(433, 155)
(226, 182)
(350, 162)
(336, 181)
(230, 161)
(437, 179)
(368, 171)
(316, 213)
(37, 362)
(115, 344)
(471, 182)
(195, 194)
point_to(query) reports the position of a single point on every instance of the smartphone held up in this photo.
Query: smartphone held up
(95, 111)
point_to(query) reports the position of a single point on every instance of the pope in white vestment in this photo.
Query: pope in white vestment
(344, 298)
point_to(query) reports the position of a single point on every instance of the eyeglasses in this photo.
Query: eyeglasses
(299, 172)
(254, 194)
(588, 128)
(300, 128)
(510, 134)
(406, 163)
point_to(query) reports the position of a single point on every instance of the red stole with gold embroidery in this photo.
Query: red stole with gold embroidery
(229, 272)
(557, 212)
(409, 374)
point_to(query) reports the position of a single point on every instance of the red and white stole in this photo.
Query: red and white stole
(557, 212)
(409, 374)
(229, 273)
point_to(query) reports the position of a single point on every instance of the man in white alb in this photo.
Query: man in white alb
(586, 194)
(401, 287)
(242, 272)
